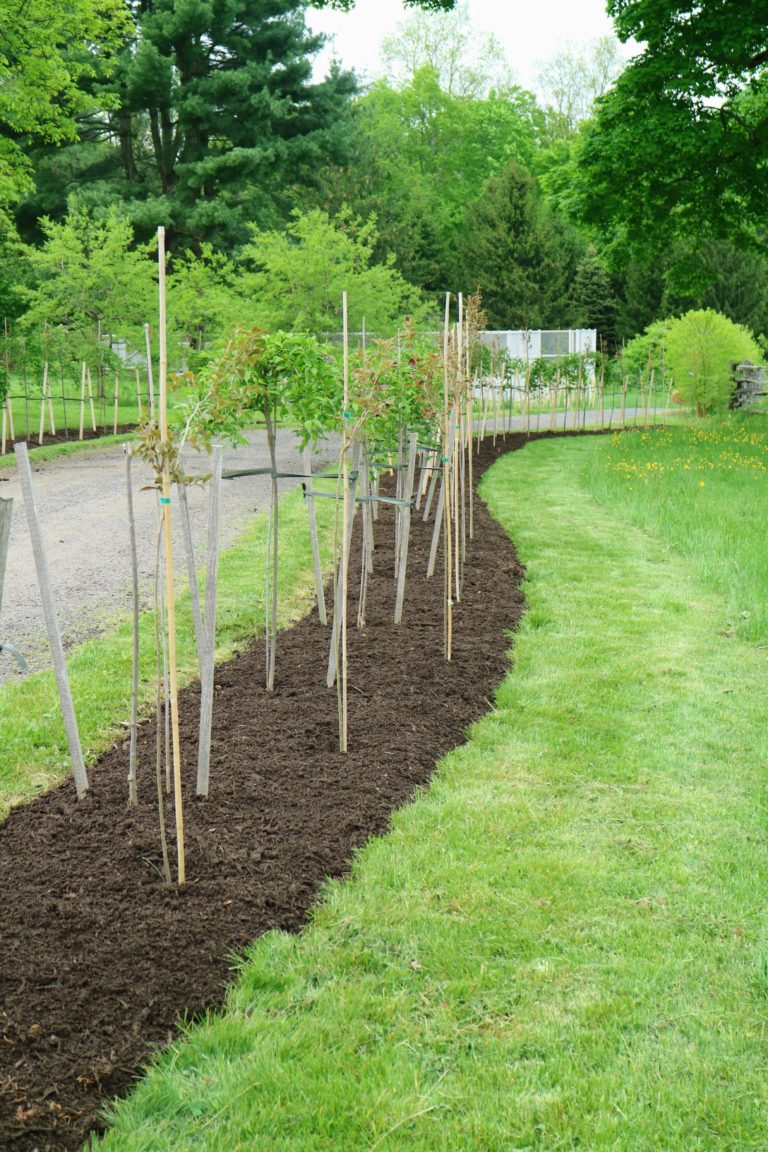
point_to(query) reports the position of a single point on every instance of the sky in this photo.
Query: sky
(529, 31)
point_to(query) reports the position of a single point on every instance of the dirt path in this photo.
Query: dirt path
(82, 502)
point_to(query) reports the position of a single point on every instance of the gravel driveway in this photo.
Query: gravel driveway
(82, 503)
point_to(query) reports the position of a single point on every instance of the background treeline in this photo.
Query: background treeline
(608, 198)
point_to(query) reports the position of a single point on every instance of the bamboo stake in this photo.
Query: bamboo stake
(211, 578)
(306, 459)
(160, 702)
(51, 620)
(150, 380)
(623, 417)
(170, 595)
(133, 797)
(117, 401)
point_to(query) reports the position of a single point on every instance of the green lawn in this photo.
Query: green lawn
(561, 944)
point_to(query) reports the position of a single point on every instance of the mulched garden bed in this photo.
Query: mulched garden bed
(99, 959)
(67, 436)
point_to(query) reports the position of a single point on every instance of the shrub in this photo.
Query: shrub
(700, 349)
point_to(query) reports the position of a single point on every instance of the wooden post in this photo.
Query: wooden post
(43, 398)
(117, 402)
(82, 402)
(207, 679)
(133, 797)
(90, 398)
(150, 380)
(448, 617)
(194, 593)
(169, 585)
(306, 459)
(140, 413)
(51, 621)
(405, 529)
(346, 530)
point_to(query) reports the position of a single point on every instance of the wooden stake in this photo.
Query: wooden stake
(150, 381)
(448, 637)
(117, 401)
(51, 620)
(207, 680)
(169, 584)
(194, 592)
(138, 396)
(405, 528)
(82, 403)
(133, 797)
(90, 398)
(346, 527)
(306, 459)
(43, 398)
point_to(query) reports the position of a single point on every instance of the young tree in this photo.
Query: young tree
(700, 349)
(300, 274)
(89, 275)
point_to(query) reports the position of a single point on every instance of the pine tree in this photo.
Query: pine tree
(212, 120)
(594, 300)
(520, 253)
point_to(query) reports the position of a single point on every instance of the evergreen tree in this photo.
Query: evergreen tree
(520, 253)
(212, 121)
(594, 300)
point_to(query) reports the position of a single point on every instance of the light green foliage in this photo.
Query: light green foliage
(647, 350)
(203, 296)
(49, 52)
(281, 374)
(699, 489)
(301, 273)
(465, 62)
(87, 272)
(568, 926)
(677, 146)
(700, 348)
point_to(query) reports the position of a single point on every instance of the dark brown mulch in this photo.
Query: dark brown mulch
(68, 436)
(99, 959)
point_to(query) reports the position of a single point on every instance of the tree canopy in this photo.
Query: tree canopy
(678, 146)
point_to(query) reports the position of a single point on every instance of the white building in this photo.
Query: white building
(552, 343)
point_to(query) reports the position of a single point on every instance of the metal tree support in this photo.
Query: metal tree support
(6, 507)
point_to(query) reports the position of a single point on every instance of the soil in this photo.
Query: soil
(100, 959)
(69, 435)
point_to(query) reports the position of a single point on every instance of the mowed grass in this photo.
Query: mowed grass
(703, 489)
(560, 944)
(33, 747)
